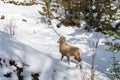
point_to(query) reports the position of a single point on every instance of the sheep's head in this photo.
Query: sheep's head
(61, 39)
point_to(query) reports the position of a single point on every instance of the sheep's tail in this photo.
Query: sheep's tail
(80, 52)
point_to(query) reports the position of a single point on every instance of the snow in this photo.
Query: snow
(113, 24)
(35, 44)
(19, 0)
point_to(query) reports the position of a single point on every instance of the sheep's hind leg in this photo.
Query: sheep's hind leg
(68, 59)
(62, 57)
(79, 64)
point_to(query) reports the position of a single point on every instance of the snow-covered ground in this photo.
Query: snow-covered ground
(35, 43)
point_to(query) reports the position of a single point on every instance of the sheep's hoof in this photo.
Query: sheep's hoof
(79, 65)
(76, 66)
(68, 63)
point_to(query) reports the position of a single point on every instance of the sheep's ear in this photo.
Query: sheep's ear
(65, 38)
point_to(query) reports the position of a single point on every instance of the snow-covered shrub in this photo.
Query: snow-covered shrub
(2, 17)
(114, 47)
(47, 11)
(93, 45)
(19, 70)
(5, 68)
(35, 76)
(22, 2)
(8, 74)
(10, 27)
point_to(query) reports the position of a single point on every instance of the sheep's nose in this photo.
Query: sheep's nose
(58, 41)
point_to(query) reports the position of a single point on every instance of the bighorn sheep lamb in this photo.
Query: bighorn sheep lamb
(68, 51)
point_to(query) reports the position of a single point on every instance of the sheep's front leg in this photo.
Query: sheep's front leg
(68, 59)
(62, 57)
(79, 64)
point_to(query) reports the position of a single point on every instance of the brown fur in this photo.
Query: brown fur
(68, 51)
